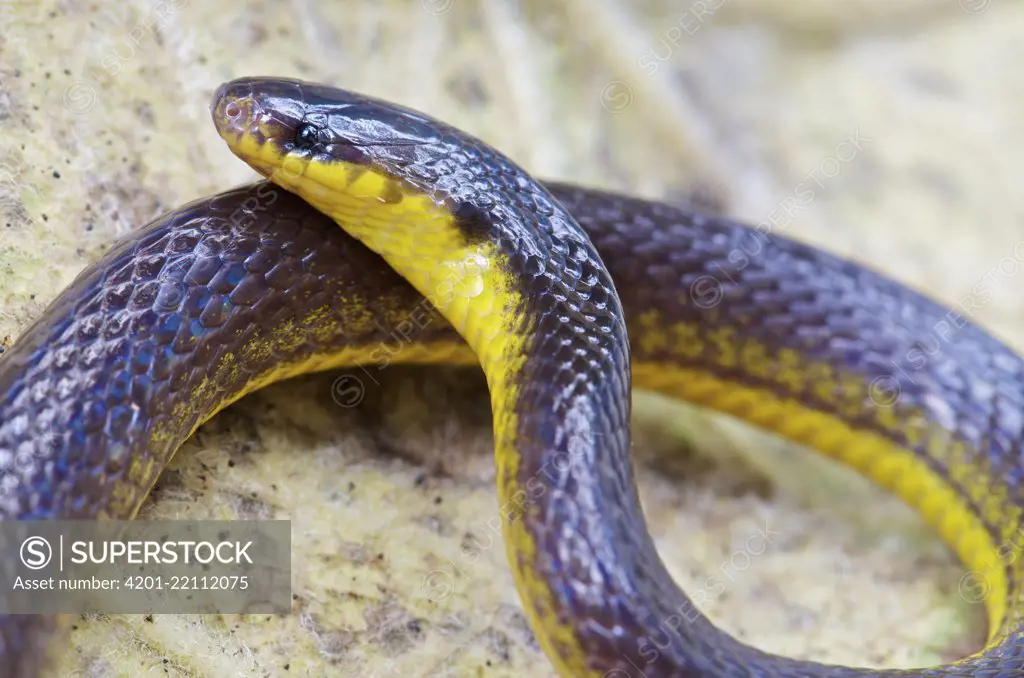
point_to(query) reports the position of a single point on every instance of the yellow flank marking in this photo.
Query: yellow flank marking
(899, 469)
(169, 433)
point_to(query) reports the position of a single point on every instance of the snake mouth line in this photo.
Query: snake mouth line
(263, 140)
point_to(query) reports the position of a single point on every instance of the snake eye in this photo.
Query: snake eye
(306, 136)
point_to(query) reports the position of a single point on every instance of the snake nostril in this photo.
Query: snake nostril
(232, 110)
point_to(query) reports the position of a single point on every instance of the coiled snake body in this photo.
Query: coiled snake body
(236, 291)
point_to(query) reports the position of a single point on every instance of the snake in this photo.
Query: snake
(567, 297)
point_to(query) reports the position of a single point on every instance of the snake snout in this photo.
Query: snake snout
(264, 109)
(231, 115)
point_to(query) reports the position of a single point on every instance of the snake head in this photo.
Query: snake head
(437, 203)
(410, 187)
(303, 135)
(398, 180)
